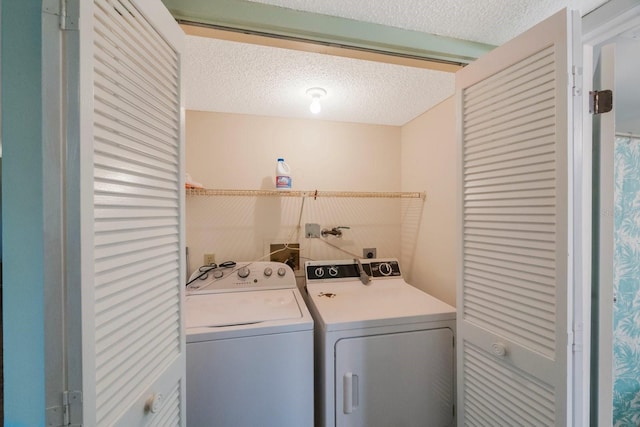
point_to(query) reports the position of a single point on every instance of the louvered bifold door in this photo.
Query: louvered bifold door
(514, 197)
(138, 234)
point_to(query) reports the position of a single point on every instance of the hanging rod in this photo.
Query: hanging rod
(628, 135)
(312, 193)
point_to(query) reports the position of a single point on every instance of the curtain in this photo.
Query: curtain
(626, 285)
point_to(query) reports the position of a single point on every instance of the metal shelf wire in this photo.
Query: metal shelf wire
(311, 193)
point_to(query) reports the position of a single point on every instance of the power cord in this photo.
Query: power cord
(340, 249)
(205, 269)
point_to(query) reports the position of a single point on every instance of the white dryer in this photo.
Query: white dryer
(384, 349)
(249, 349)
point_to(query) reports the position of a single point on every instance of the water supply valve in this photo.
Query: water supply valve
(335, 231)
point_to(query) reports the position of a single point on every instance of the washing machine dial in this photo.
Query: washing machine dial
(385, 269)
(333, 271)
(319, 272)
(282, 271)
(243, 272)
(217, 274)
(268, 272)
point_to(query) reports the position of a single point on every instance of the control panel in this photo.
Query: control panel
(243, 276)
(350, 269)
(385, 269)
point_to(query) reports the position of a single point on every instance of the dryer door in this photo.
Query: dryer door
(404, 379)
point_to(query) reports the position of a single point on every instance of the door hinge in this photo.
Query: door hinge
(72, 404)
(69, 14)
(67, 11)
(69, 414)
(600, 101)
(576, 338)
(576, 80)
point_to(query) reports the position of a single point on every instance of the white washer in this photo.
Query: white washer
(249, 349)
(384, 350)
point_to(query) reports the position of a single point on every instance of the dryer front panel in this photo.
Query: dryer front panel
(400, 379)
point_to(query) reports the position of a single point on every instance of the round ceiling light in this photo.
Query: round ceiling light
(316, 93)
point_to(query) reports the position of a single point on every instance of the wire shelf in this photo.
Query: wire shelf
(312, 193)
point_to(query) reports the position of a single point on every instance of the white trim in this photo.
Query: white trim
(53, 212)
(582, 233)
(165, 23)
(606, 251)
(579, 238)
(605, 23)
(610, 20)
(82, 58)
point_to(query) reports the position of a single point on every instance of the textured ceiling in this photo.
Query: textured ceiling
(233, 77)
(239, 78)
(487, 21)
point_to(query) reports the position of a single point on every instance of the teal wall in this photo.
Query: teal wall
(626, 284)
(22, 220)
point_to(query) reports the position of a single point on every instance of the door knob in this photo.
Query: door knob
(498, 349)
(153, 403)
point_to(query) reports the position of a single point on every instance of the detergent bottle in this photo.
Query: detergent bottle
(283, 175)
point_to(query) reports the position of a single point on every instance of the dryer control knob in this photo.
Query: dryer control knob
(282, 271)
(385, 269)
(243, 273)
(217, 274)
(319, 272)
(333, 271)
(268, 271)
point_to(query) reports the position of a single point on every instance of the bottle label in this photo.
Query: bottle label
(283, 182)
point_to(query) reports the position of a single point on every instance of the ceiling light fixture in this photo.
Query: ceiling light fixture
(316, 93)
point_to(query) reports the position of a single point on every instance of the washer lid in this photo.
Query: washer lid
(240, 308)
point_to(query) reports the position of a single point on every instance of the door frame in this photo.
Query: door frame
(608, 21)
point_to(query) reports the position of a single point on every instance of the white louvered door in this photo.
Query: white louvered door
(132, 212)
(514, 281)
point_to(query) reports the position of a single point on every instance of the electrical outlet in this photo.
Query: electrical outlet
(369, 253)
(209, 259)
(312, 231)
(290, 255)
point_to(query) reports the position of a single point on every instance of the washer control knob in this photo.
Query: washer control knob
(243, 273)
(217, 274)
(319, 272)
(333, 271)
(385, 269)
(282, 271)
(268, 271)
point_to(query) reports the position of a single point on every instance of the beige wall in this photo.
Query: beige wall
(429, 163)
(239, 152)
